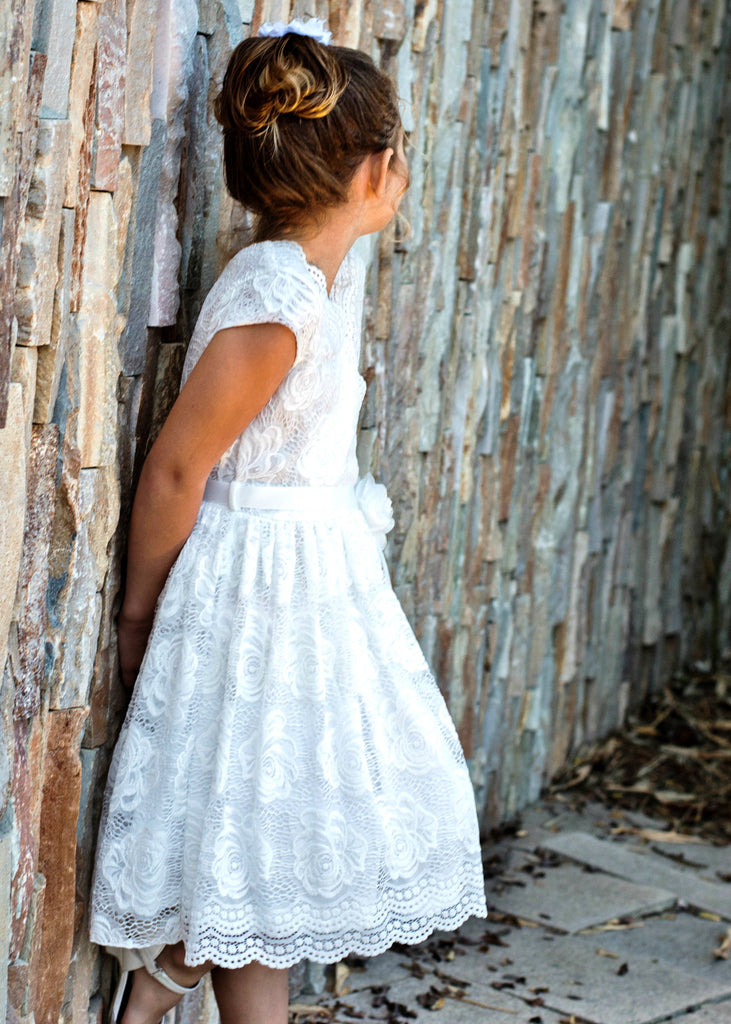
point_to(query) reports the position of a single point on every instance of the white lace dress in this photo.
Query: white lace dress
(288, 782)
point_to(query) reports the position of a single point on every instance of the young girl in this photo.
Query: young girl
(288, 783)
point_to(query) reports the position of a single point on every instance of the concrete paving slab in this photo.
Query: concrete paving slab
(578, 978)
(714, 1013)
(568, 898)
(483, 1006)
(378, 970)
(680, 939)
(644, 868)
(706, 861)
(547, 820)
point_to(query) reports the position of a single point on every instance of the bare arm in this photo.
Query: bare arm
(234, 378)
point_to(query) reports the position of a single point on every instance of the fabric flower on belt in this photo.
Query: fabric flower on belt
(375, 504)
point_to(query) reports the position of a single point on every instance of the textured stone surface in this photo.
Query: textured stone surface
(16, 20)
(51, 357)
(57, 855)
(12, 508)
(82, 72)
(7, 738)
(111, 82)
(11, 215)
(38, 266)
(83, 526)
(98, 330)
(140, 49)
(610, 857)
(569, 899)
(135, 298)
(24, 819)
(547, 357)
(6, 841)
(23, 371)
(55, 38)
(174, 38)
(33, 614)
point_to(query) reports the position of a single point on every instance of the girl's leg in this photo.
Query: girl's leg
(148, 999)
(253, 994)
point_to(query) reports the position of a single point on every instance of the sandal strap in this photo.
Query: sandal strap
(159, 974)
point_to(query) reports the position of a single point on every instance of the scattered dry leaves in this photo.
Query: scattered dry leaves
(671, 760)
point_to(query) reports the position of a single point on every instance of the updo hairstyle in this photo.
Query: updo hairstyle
(298, 118)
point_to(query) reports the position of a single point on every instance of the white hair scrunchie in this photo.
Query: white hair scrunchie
(313, 27)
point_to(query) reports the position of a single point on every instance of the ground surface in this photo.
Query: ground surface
(594, 916)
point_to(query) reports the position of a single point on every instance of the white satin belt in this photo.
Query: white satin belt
(238, 494)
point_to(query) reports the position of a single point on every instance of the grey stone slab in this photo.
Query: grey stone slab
(483, 1006)
(708, 862)
(680, 939)
(568, 898)
(580, 979)
(379, 970)
(712, 1013)
(643, 868)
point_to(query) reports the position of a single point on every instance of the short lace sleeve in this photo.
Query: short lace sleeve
(263, 283)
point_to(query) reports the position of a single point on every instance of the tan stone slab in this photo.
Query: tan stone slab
(12, 508)
(141, 27)
(98, 330)
(23, 371)
(82, 68)
(57, 856)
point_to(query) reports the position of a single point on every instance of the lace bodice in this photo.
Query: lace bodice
(306, 433)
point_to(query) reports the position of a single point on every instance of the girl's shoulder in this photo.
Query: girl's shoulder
(264, 263)
(266, 280)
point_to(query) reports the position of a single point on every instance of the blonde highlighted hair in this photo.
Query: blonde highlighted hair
(298, 117)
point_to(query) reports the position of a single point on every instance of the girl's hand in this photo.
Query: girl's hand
(132, 637)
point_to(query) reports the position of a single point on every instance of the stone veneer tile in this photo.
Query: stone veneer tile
(56, 40)
(12, 508)
(141, 22)
(38, 264)
(112, 80)
(57, 856)
(33, 612)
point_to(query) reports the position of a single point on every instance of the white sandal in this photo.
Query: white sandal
(131, 960)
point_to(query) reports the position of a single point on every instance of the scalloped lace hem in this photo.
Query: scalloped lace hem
(281, 953)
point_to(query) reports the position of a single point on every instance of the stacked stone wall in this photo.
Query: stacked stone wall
(547, 355)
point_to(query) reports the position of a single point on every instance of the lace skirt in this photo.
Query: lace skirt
(288, 782)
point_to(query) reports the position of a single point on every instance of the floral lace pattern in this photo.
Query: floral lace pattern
(306, 433)
(288, 782)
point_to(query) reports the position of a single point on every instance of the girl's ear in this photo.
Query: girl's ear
(379, 171)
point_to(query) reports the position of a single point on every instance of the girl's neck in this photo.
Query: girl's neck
(327, 245)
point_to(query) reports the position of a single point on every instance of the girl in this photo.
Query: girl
(288, 782)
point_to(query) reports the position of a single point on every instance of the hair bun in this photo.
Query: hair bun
(291, 74)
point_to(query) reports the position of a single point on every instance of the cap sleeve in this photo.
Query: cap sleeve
(263, 283)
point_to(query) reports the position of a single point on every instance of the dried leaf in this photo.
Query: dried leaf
(708, 915)
(723, 951)
(659, 835)
(340, 976)
(607, 952)
(305, 1011)
(431, 1000)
